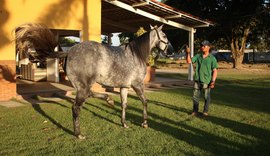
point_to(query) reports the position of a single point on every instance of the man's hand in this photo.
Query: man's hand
(188, 59)
(187, 49)
(212, 84)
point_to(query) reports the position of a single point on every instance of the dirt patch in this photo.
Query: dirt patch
(258, 68)
(229, 65)
(261, 68)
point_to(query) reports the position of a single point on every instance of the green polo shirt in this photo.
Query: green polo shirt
(204, 67)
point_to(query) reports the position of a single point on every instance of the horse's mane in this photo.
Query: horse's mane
(141, 47)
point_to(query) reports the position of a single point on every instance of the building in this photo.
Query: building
(82, 18)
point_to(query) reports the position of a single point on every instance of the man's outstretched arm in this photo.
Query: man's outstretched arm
(188, 58)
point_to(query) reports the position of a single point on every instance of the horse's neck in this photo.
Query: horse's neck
(150, 42)
(141, 46)
(144, 44)
(145, 47)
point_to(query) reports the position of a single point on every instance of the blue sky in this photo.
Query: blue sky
(115, 39)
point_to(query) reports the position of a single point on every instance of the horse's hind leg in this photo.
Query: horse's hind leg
(105, 97)
(140, 93)
(82, 94)
(123, 94)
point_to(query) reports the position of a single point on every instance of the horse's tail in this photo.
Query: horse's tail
(38, 37)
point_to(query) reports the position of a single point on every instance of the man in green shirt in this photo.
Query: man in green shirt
(205, 76)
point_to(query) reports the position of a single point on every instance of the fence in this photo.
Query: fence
(249, 56)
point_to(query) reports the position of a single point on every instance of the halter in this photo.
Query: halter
(162, 41)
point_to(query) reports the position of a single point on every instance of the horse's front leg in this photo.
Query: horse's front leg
(140, 93)
(123, 94)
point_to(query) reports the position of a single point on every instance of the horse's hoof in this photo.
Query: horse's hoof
(125, 126)
(81, 137)
(110, 102)
(144, 125)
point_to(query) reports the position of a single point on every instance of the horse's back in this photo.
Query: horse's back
(83, 49)
(111, 66)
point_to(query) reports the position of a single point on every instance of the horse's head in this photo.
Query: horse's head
(160, 41)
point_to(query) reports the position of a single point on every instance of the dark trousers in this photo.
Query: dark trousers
(198, 89)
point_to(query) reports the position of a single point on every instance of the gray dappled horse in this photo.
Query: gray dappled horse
(121, 67)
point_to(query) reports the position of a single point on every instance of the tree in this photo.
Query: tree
(65, 41)
(235, 21)
(260, 38)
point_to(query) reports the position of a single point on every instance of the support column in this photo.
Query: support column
(110, 38)
(191, 45)
(91, 29)
(53, 70)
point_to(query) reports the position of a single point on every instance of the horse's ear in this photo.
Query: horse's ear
(151, 27)
(160, 28)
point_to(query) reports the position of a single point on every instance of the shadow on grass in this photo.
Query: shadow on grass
(103, 110)
(245, 129)
(180, 130)
(194, 136)
(245, 94)
(202, 139)
(191, 135)
(36, 106)
(240, 92)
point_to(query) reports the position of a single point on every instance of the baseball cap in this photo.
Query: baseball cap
(205, 43)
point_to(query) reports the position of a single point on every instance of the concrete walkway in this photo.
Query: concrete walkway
(48, 90)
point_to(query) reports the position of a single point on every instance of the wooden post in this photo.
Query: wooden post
(191, 45)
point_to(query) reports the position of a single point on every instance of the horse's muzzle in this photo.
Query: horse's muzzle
(168, 49)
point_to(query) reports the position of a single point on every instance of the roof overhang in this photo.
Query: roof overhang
(129, 15)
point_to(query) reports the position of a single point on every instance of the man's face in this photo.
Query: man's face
(205, 48)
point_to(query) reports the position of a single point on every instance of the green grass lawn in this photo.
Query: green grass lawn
(239, 124)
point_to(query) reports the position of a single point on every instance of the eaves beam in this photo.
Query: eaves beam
(203, 25)
(173, 16)
(148, 15)
(140, 4)
(184, 15)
